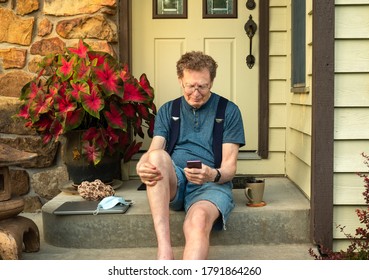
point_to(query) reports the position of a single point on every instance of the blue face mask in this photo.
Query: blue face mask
(111, 201)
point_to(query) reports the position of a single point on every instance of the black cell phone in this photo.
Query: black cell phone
(194, 164)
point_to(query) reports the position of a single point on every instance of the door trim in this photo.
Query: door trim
(125, 32)
(263, 145)
(125, 55)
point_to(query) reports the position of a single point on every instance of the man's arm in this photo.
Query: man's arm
(228, 167)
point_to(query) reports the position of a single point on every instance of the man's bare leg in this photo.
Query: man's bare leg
(159, 197)
(197, 227)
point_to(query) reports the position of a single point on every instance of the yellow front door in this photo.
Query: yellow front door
(157, 44)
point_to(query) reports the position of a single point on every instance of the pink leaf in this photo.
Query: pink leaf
(81, 51)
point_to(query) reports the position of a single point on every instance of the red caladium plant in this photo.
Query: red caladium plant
(89, 90)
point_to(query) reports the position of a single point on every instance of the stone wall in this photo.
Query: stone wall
(30, 29)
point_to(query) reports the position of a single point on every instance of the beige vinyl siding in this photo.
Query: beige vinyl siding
(351, 125)
(344, 216)
(348, 189)
(351, 90)
(351, 2)
(347, 156)
(300, 170)
(299, 116)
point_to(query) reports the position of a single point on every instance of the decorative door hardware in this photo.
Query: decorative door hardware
(250, 28)
(250, 4)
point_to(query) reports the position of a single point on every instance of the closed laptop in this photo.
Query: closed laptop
(87, 207)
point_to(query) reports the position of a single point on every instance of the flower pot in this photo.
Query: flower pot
(78, 167)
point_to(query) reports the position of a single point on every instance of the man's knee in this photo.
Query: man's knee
(201, 217)
(159, 156)
(198, 220)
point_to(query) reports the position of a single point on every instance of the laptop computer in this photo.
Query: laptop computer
(87, 207)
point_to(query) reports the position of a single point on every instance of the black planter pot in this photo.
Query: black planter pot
(79, 169)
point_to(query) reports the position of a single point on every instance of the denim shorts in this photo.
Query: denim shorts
(218, 194)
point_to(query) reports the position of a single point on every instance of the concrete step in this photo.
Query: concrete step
(289, 251)
(284, 220)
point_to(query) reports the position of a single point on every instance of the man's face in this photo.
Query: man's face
(196, 87)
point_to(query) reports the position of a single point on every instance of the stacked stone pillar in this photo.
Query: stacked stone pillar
(29, 30)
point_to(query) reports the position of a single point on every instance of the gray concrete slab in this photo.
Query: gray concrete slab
(284, 219)
(283, 200)
(231, 252)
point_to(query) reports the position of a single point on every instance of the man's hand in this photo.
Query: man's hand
(201, 175)
(149, 174)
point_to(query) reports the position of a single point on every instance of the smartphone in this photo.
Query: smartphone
(194, 164)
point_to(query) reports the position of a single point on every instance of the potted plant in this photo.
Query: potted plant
(89, 93)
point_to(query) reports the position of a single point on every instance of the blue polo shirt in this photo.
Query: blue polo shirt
(196, 130)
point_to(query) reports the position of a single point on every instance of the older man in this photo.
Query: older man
(204, 193)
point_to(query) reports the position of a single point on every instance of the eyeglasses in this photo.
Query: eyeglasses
(191, 88)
